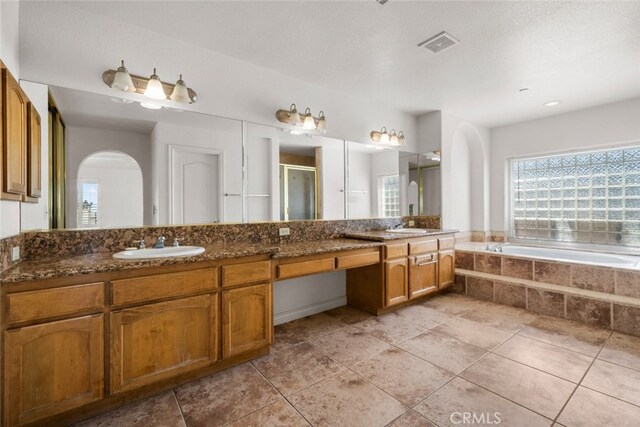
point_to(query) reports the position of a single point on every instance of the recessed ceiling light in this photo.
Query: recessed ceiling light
(551, 103)
(150, 105)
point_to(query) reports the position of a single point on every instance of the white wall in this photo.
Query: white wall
(9, 42)
(84, 141)
(599, 127)
(225, 135)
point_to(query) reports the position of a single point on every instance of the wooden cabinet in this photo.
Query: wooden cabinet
(247, 321)
(446, 268)
(51, 368)
(14, 138)
(396, 275)
(423, 275)
(34, 154)
(159, 341)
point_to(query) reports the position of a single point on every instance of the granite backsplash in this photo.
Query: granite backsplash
(5, 250)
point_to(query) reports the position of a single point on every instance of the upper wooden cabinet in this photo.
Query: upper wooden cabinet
(34, 155)
(14, 138)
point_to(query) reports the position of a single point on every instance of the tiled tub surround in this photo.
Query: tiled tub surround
(603, 296)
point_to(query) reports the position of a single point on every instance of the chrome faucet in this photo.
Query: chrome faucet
(496, 248)
(159, 242)
(176, 242)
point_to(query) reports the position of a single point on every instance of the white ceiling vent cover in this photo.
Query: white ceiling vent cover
(439, 42)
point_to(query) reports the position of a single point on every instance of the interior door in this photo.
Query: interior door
(195, 187)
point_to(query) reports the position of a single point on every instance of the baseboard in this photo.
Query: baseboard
(308, 310)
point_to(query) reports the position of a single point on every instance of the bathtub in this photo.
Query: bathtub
(572, 256)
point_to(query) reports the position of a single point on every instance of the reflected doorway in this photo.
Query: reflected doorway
(298, 186)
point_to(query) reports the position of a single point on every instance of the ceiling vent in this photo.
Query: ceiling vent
(382, 2)
(439, 42)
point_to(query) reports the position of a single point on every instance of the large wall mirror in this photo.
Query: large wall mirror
(127, 165)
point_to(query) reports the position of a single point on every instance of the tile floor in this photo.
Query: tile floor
(439, 363)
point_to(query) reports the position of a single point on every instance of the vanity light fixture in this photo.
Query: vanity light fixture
(307, 123)
(434, 156)
(383, 137)
(152, 87)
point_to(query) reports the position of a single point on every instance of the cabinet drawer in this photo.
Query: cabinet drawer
(238, 274)
(446, 243)
(306, 267)
(35, 305)
(350, 261)
(397, 250)
(149, 288)
(424, 247)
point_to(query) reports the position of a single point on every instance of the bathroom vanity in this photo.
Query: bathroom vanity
(87, 333)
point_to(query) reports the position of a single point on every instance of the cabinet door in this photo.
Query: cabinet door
(158, 341)
(423, 275)
(396, 289)
(34, 147)
(247, 319)
(52, 368)
(15, 138)
(446, 269)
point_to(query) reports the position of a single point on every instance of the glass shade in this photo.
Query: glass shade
(180, 93)
(384, 138)
(154, 88)
(294, 115)
(122, 80)
(322, 123)
(309, 122)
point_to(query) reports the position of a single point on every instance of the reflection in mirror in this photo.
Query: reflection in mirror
(420, 184)
(293, 177)
(374, 188)
(187, 166)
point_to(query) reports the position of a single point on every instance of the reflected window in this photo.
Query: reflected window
(389, 191)
(89, 207)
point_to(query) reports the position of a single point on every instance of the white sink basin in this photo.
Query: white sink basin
(407, 230)
(168, 252)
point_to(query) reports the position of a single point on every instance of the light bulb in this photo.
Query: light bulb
(294, 115)
(122, 80)
(154, 88)
(322, 123)
(309, 122)
(180, 92)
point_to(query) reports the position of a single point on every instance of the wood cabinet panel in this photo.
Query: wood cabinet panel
(36, 305)
(423, 275)
(158, 341)
(446, 269)
(396, 250)
(396, 275)
(14, 159)
(34, 155)
(305, 267)
(148, 288)
(446, 243)
(351, 261)
(247, 319)
(52, 368)
(424, 247)
(238, 274)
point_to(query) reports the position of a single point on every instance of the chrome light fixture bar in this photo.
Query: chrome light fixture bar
(152, 87)
(384, 137)
(306, 123)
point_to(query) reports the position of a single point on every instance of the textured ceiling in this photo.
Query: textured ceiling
(583, 53)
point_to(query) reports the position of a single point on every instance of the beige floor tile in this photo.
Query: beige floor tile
(552, 359)
(296, 367)
(411, 419)
(424, 317)
(225, 396)
(391, 328)
(614, 380)
(404, 376)
(453, 303)
(346, 400)
(283, 338)
(623, 350)
(474, 333)
(277, 414)
(568, 334)
(588, 408)
(160, 410)
(349, 345)
(538, 391)
(313, 326)
(460, 398)
(349, 315)
(444, 351)
(502, 317)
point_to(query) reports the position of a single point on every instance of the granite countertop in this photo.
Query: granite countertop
(50, 267)
(383, 235)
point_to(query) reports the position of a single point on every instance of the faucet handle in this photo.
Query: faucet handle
(176, 241)
(140, 243)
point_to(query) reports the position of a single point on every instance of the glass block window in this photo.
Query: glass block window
(88, 207)
(390, 195)
(588, 197)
